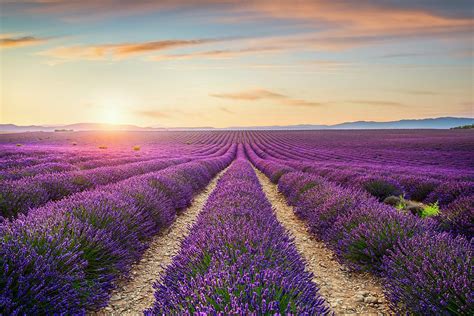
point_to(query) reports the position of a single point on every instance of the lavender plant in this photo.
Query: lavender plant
(431, 274)
(237, 259)
(65, 256)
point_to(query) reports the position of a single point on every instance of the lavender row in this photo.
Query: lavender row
(87, 158)
(28, 157)
(398, 168)
(21, 195)
(48, 167)
(237, 259)
(456, 217)
(56, 164)
(382, 185)
(436, 149)
(444, 191)
(64, 257)
(64, 166)
(421, 276)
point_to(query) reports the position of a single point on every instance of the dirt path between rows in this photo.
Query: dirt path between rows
(346, 292)
(135, 294)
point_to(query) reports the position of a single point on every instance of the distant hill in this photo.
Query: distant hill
(12, 128)
(436, 123)
(101, 127)
(429, 123)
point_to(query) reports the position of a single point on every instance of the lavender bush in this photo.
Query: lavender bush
(20, 195)
(363, 237)
(458, 217)
(380, 187)
(431, 274)
(237, 259)
(64, 257)
(448, 192)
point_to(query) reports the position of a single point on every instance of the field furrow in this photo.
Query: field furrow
(237, 258)
(134, 294)
(346, 292)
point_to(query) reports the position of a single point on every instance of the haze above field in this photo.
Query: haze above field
(227, 63)
(435, 123)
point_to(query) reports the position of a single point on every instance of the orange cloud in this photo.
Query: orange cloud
(375, 102)
(116, 51)
(217, 54)
(123, 50)
(226, 110)
(262, 94)
(361, 18)
(330, 25)
(152, 114)
(8, 41)
(250, 95)
(354, 18)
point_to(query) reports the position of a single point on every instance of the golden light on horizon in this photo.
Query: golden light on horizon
(110, 115)
(110, 110)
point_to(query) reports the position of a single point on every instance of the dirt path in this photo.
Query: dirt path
(347, 293)
(135, 294)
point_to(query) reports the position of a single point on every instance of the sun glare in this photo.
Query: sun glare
(111, 116)
(110, 111)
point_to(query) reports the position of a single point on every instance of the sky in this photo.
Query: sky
(188, 63)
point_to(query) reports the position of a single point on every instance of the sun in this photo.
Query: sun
(111, 116)
(110, 111)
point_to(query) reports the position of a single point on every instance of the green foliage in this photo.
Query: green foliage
(469, 126)
(402, 204)
(430, 210)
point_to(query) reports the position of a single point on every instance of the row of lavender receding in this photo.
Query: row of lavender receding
(56, 162)
(237, 259)
(437, 149)
(53, 166)
(440, 171)
(456, 198)
(64, 257)
(425, 271)
(15, 159)
(21, 195)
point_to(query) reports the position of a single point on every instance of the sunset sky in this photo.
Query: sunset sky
(229, 63)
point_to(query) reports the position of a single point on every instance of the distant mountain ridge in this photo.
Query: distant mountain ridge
(428, 123)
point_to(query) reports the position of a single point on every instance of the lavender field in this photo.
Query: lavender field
(237, 222)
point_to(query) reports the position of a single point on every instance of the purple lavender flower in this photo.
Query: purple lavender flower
(431, 274)
(458, 217)
(237, 259)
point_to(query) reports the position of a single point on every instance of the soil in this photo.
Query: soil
(134, 294)
(347, 292)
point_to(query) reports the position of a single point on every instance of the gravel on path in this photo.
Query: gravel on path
(135, 293)
(348, 293)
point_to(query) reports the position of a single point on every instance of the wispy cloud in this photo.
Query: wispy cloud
(152, 114)
(124, 50)
(117, 51)
(376, 103)
(10, 41)
(420, 92)
(338, 24)
(218, 54)
(250, 95)
(262, 94)
(226, 110)
(366, 20)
